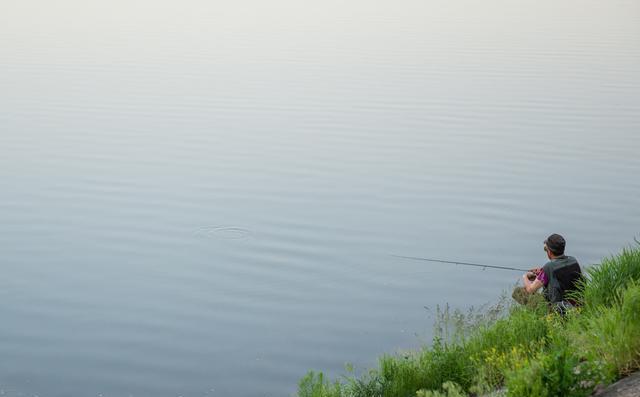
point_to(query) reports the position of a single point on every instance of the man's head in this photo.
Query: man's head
(554, 245)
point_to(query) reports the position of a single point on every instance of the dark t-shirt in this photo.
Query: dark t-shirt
(553, 288)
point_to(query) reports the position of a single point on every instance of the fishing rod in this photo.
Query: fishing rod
(416, 258)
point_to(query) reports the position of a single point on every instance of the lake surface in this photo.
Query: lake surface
(202, 199)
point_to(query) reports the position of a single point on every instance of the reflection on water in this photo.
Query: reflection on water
(202, 199)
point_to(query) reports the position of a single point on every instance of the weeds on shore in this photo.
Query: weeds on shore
(604, 282)
(516, 351)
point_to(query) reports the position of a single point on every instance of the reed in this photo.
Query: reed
(605, 281)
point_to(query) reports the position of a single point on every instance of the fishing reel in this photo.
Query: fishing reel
(533, 273)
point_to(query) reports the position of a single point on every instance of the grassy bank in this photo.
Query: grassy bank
(528, 351)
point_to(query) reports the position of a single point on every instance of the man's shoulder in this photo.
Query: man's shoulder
(574, 262)
(570, 260)
(559, 262)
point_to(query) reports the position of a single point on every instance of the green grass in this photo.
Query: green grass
(515, 351)
(604, 280)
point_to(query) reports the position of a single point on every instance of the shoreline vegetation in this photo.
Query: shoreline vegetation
(515, 351)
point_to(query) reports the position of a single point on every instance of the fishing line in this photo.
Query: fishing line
(484, 266)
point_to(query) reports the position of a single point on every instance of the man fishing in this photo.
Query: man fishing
(558, 277)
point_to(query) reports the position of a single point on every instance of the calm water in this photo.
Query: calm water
(201, 199)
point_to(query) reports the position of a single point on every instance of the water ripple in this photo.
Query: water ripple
(223, 232)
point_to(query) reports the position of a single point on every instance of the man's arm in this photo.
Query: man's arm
(531, 286)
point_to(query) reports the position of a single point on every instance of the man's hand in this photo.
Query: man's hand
(531, 282)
